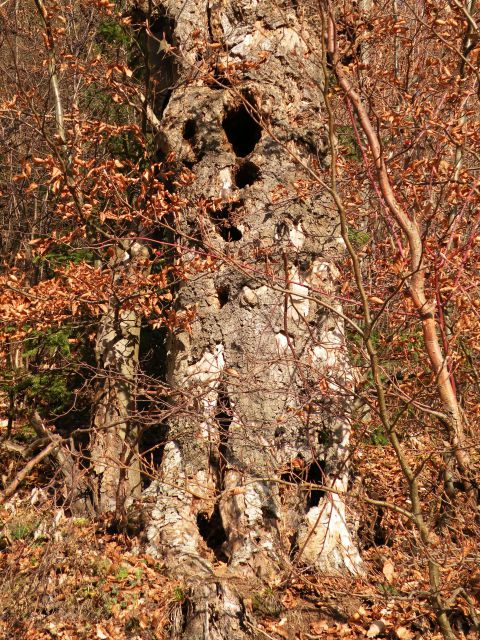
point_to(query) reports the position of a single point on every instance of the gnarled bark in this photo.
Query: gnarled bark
(255, 470)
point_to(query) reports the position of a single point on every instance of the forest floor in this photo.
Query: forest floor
(74, 579)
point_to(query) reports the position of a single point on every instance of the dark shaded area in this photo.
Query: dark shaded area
(219, 80)
(242, 130)
(211, 527)
(302, 473)
(189, 129)
(212, 531)
(223, 293)
(224, 418)
(246, 174)
(223, 221)
(315, 475)
(162, 25)
(156, 65)
(461, 622)
(152, 432)
(152, 353)
(372, 533)
(151, 448)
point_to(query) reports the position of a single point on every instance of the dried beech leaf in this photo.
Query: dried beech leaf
(389, 570)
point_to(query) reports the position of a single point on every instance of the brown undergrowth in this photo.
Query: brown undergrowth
(71, 579)
(68, 578)
(75, 579)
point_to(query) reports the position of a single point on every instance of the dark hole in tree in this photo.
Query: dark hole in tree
(160, 155)
(212, 531)
(302, 473)
(294, 475)
(460, 622)
(223, 293)
(281, 230)
(162, 25)
(222, 220)
(231, 234)
(211, 527)
(152, 438)
(269, 514)
(380, 537)
(246, 174)
(293, 539)
(219, 80)
(189, 129)
(315, 475)
(242, 131)
(152, 445)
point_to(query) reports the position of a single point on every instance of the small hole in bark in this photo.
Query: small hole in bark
(219, 80)
(223, 294)
(212, 531)
(315, 475)
(246, 174)
(222, 220)
(231, 234)
(160, 154)
(189, 129)
(281, 231)
(242, 131)
(380, 538)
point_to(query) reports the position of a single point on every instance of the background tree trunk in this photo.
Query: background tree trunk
(263, 365)
(114, 446)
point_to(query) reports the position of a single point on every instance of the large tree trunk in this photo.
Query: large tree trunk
(263, 366)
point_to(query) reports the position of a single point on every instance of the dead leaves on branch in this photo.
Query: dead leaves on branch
(78, 291)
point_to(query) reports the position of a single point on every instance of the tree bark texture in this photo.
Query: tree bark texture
(255, 470)
(114, 446)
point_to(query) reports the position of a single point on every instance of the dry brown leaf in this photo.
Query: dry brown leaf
(389, 570)
(319, 626)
